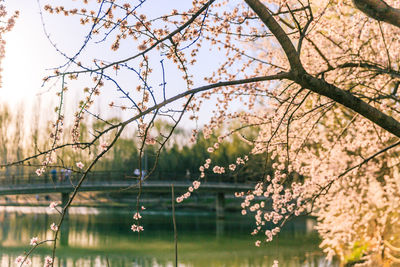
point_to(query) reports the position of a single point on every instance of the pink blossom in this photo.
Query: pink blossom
(39, 172)
(239, 161)
(19, 259)
(54, 227)
(137, 216)
(150, 141)
(79, 165)
(239, 194)
(103, 147)
(34, 241)
(232, 167)
(196, 184)
(53, 205)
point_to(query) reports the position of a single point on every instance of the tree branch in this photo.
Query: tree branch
(278, 76)
(283, 39)
(379, 10)
(347, 99)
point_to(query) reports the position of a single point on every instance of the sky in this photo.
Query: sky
(30, 57)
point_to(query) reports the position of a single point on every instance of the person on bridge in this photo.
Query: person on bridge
(137, 173)
(67, 175)
(62, 175)
(54, 175)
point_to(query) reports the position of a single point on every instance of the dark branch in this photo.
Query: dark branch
(379, 10)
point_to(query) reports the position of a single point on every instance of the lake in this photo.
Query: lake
(102, 237)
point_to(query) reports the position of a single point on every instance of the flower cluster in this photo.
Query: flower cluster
(136, 228)
(184, 196)
(218, 170)
(20, 259)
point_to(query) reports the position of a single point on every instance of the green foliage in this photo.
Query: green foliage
(122, 157)
(178, 155)
(356, 254)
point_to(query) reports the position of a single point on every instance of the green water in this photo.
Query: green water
(103, 238)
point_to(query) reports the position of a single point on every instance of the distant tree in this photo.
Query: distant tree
(5, 123)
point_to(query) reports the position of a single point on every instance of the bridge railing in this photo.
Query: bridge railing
(110, 176)
(56, 177)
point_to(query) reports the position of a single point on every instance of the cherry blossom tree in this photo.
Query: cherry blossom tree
(317, 80)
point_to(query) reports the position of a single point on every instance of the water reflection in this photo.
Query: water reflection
(103, 238)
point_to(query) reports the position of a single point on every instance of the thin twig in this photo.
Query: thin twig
(174, 222)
